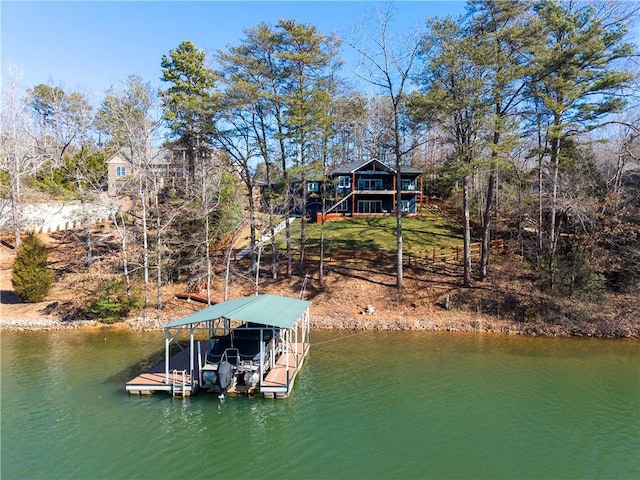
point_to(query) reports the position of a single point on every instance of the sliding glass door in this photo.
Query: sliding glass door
(369, 206)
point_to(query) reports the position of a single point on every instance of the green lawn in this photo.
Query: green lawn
(379, 233)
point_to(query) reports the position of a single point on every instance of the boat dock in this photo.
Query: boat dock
(266, 349)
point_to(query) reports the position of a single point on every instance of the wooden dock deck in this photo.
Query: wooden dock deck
(275, 384)
(154, 379)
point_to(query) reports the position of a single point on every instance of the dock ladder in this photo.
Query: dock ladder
(179, 383)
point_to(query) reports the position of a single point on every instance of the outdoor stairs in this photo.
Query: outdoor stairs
(265, 238)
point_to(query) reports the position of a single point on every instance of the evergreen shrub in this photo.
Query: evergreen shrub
(111, 304)
(31, 278)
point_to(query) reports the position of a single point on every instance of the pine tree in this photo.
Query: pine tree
(31, 277)
(188, 102)
(578, 80)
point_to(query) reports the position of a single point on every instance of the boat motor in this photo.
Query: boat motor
(225, 376)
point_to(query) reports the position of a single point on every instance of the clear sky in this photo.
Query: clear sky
(89, 45)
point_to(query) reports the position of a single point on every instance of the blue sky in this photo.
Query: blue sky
(90, 45)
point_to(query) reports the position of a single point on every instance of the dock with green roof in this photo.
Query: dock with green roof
(279, 325)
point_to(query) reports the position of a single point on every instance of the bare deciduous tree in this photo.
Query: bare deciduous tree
(19, 155)
(387, 63)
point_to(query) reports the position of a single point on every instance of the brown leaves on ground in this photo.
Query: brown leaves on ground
(431, 298)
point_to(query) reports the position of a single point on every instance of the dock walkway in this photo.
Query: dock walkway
(275, 384)
(154, 379)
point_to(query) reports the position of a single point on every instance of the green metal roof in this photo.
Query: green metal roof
(270, 310)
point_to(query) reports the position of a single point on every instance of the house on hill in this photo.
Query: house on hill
(166, 165)
(365, 189)
(118, 168)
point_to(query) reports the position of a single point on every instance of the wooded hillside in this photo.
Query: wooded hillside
(523, 115)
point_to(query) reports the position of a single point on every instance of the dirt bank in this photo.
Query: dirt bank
(354, 298)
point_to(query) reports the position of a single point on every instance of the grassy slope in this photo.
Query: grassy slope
(379, 234)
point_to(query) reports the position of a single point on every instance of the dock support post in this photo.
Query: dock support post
(262, 354)
(191, 351)
(166, 356)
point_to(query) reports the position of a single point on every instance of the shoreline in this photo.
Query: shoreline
(339, 322)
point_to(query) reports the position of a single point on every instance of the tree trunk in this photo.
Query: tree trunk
(553, 229)
(489, 203)
(122, 232)
(227, 272)
(398, 155)
(486, 227)
(303, 224)
(399, 257)
(253, 241)
(207, 254)
(323, 211)
(15, 214)
(287, 188)
(272, 240)
(145, 245)
(303, 206)
(466, 231)
(160, 303)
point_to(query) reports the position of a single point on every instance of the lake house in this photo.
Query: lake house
(163, 164)
(365, 189)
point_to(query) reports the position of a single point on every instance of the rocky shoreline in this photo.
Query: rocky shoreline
(44, 324)
(340, 322)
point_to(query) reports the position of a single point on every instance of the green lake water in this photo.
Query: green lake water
(365, 406)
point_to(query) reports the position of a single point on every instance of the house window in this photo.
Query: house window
(343, 206)
(121, 171)
(344, 182)
(408, 185)
(369, 184)
(405, 206)
(313, 186)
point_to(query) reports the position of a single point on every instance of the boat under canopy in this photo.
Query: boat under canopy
(262, 340)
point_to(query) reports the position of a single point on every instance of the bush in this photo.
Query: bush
(577, 277)
(31, 278)
(111, 304)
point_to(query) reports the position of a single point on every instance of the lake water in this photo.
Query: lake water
(366, 405)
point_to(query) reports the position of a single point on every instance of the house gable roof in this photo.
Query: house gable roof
(368, 165)
(158, 156)
(372, 165)
(117, 158)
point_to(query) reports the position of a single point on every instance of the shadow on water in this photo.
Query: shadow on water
(132, 371)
